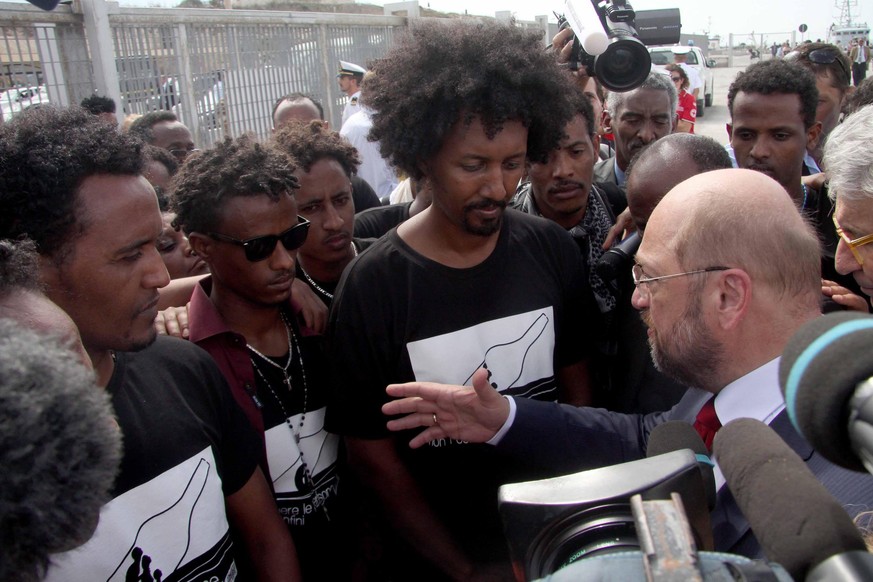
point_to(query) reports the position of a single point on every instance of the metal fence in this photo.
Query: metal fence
(220, 71)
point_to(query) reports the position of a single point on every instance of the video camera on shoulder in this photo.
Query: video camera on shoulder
(611, 38)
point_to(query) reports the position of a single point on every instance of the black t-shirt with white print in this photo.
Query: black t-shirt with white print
(186, 446)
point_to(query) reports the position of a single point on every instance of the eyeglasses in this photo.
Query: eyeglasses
(641, 280)
(261, 247)
(181, 154)
(676, 79)
(822, 56)
(853, 244)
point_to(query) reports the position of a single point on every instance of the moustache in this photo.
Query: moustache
(486, 205)
(647, 319)
(764, 168)
(565, 186)
(282, 277)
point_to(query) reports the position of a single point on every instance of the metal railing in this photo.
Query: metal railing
(220, 71)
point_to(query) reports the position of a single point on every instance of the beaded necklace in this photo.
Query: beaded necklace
(318, 287)
(292, 344)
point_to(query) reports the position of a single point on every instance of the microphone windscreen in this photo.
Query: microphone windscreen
(795, 519)
(676, 435)
(821, 367)
(59, 451)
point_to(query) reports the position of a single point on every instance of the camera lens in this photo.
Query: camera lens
(624, 65)
(582, 534)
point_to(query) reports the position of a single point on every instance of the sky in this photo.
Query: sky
(775, 18)
(721, 17)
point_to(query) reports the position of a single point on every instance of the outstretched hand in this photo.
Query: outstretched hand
(473, 414)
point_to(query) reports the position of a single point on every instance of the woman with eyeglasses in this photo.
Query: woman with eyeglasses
(686, 109)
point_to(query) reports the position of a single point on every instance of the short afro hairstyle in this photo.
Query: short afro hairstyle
(308, 143)
(19, 267)
(582, 106)
(163, 157)
(59, 449)
(97, 104)
(706, 153)
(45, 155)
(142, 127)
(778, 77)
(438, 74)
(166, 159)
(234, 167)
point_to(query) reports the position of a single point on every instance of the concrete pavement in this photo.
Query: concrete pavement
(712, 124)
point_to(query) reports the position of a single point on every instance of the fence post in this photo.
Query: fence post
(96, 15)
(543, 22)
(329, 78)
(731, 50)
(186, 83)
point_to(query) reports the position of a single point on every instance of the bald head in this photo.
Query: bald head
(664, 164)
(295, 107)
(742, 219)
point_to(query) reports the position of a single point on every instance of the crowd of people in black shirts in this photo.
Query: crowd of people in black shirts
(350, 382)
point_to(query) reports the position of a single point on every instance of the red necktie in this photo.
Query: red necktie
(707, 424)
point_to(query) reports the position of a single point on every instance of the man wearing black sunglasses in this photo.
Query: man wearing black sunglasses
(833, 80)
(236, 204)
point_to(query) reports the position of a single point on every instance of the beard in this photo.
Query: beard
(482, 227)
(690, 353)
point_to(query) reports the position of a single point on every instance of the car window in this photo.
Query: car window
(692, 58)
(660, 58)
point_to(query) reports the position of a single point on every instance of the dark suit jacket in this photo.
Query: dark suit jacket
(604, 171)
(564, 439)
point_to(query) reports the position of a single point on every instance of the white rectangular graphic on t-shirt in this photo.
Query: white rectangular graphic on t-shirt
(171, 528)
(297, 498)
(517, 350)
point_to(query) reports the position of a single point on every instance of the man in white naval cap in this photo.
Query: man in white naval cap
(349, 78)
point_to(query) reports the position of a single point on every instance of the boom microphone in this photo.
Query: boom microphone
(797, 522)
(677, 435)
(825, 376)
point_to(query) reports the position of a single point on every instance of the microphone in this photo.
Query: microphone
(59, 449)
(797, 522)
(677, 435)
(825, 375)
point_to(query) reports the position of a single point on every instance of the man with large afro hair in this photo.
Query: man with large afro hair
(459, 107)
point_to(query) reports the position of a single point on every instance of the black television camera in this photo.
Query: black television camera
(619, 258)
(640, 520)
(555, 522)
(611, 38)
